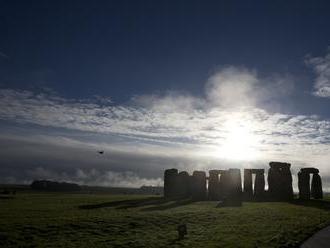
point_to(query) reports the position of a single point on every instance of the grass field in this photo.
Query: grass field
(95, 220)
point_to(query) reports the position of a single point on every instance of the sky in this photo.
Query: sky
(193, 85)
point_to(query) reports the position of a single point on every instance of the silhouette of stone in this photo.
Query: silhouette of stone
(317, 192)
(182, 184)
(280, 181)
(170, 180)
(236, 180)
(304, 185)
(213, 186)
(198, 186)
(305, 191)
(259, 184)
(310, 170)
(233, 195)
(248, 192)
(223, 184)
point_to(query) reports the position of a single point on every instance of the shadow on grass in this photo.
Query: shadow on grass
(321, 204)
(173, 204)
(155, 203)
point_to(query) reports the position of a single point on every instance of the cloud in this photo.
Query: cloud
(228, 127)
(240, 87)
(321, 67)
(233, 87)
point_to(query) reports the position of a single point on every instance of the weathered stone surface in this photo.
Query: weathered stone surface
(233, 196)
(182, 185)
(248, 191)
(170, 179)
(279, 165)
(259, 185)
(256, 171)
(304, 186)
(280, 181)
(213, 186)
(235, 181)
(310, 170)
(224, 184)
(198, 185)
(317, 192)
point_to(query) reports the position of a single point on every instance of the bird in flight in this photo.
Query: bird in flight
(101, 152)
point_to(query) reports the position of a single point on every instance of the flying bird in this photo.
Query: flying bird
(101, 152)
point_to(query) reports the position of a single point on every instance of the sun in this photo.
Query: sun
(239, 142)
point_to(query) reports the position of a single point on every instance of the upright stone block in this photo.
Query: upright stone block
(235, 181)
(317, 192)
(310, 170)
(248, 191)
(259, 184)
(213, 186)
(198, 185)
(170, 180)
(224, 184)
(183, 184)
(234, 194)
(304, 185)
(280, 181)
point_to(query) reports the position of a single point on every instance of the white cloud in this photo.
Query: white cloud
(233, 87)
(226, 127)
(321, 67)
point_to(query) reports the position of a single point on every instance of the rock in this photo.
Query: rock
(305, 191)
(310, 170)
(304, 185)
(198, 186)
(248, 191)
(259, 185)
(317, 192)
(280, 181)
(213, 187)
(182, 185)
(234, 188)
(258, 171)
(223, 184)
(170, 177)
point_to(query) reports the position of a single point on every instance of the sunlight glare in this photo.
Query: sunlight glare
(239, 142)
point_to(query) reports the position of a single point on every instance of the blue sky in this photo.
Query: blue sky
(187, 84)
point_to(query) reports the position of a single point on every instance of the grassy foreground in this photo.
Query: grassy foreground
(85, 220)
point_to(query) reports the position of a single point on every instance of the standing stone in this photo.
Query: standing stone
(287, 182)
(224, 184)
(198, 185)
(213, 187)
(170, 178)
(309, 170)
(317, 192)
(280, 181)
(248, 183)
(235, 181)
(273, 178)
(183, 184)
(259, 184)
(234, 193)
(304, 185)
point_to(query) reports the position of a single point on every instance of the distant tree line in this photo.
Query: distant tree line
(47, 185)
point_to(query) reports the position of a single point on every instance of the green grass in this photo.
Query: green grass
(85, 220)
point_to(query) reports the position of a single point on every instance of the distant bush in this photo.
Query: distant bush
(54, 186)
